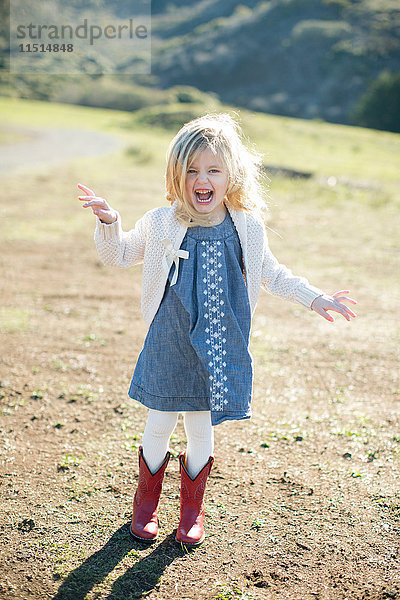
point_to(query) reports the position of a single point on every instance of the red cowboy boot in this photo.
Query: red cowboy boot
(190, 529)
(144, 524)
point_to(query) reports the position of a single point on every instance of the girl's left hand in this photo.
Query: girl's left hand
(323, 303)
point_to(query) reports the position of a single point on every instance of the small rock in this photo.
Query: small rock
(26, 525)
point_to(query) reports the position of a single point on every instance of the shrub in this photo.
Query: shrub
(189, 95)
(379, 106)
(171, 117)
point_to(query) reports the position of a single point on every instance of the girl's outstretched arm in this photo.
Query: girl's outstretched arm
(323, 303)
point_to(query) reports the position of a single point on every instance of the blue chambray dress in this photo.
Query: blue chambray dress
(195, 356)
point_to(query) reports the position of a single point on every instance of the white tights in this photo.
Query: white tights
(159, 428)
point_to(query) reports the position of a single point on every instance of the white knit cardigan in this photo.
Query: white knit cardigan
(147, 243)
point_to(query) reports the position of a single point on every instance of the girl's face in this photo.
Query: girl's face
(206, 184)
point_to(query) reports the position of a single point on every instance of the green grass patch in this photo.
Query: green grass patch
(34, 113)
(364, 155)
(14, 320)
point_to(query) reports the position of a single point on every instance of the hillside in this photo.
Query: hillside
(302, 58)
(308, 58)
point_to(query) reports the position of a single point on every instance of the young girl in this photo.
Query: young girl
(204, 258)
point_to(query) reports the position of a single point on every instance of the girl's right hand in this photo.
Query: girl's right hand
(100, 207)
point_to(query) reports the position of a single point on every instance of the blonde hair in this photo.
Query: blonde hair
(221, 134)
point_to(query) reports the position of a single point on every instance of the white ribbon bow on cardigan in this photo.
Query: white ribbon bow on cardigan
(172, 256)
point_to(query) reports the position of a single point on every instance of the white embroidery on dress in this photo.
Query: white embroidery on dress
(214, 327)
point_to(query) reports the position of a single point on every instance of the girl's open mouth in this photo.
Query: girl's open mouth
(204, 197)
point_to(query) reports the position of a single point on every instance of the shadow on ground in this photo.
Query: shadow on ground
(141, 578)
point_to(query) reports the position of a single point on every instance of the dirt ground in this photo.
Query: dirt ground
(51, 146)
(303, 502)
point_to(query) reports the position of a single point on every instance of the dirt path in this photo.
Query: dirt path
(303, 502)
(52, 147)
